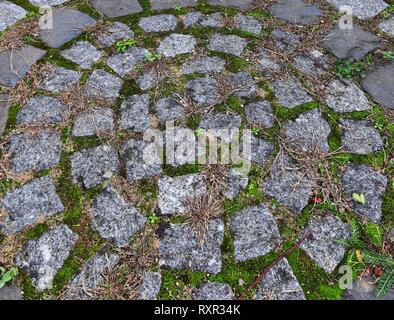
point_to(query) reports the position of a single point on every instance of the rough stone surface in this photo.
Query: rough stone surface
(10, 292)
(103, 85)
(181, 146)
(260, 113)
(114, 219)
(41, 109)
(60, 79)
(203, 91)
(350, 44)
(151, 78)
(98, 120)
(243, 85)
(135, 113)
(309, 132)
(379, 83)
(174, 192)
(288, 185)
(141, 160)
(9, 14)
(296, 11)
(267, 63)
(91, 275)
(114, 33)
(159, 23)
(149, 288)
(387, 26)
(344, 96)
(92, 166)
(169, 109)
(213, 291)
(176, 44)
(365, 289)
(117, 8)
(290, 93)
(170, 4)
(26, 205)
(67, 25)
(236, 181)
(180, 248)
(204, 65)
(124, 63)
(198, 19)
(243, 4)
(260, 149)
(15, 64)
(280, 283)
(4, 107)
(361, 179)
(82, 53)
(229, 44)
(285, 41)
(47, 2)
(34, 152)
(313, 63)
(248, 24)
(41, 259)
(365, 9)
(322, 246)
(255, 233)
(360, 137)
(221, 125)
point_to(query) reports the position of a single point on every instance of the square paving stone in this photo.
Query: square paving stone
(296, 11)
(51, 3)
(114, 219)
(221, 125)
(288, 185)
(15, 64)
(59, 79)
(379, 83)
(41, 259)
(387, 26)
(4, 107)
(103, 85)
(41, 109)
(141, 160)
(169, 109)
(350, 44)
(229, 44)
(9, 14)
(285, 41)
(170, 4)
(241, 4)
(97, 121)
(344, 96)
(243, 85)
(323, 246)
(67, 25)
(149, 288)
(82, 53)
(180, 248)
(176, 44)
(280, 283)
(116, 8)
(236, 182)
(91, 277)
(124, 63)
(92, 166)
(174, 192)
(313, 63)
(267, 63)
(151, 78)
(27, 205)
(248, 24)
(260, 150)
(260, 113)
(213, 291)
(203, 91)
(198, 19)
(255, 233)
(135, 113)
(113, 33)
(159, 23)
(308, 133)
(360, 137)
(31, 152)
(290, 93)
(208, 65)
(365, 9)
(181, 146)
(361, 179)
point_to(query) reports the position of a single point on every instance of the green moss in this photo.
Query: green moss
(11, 122)
(182, 170)
(285, 114)
(37, 231)
(29, 291)
(87, 142)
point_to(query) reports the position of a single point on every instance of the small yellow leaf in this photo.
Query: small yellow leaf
(359, 256)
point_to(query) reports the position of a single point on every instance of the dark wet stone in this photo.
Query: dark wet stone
(322, 245)
(124, 63)
(290, 93)
(350, 44)
(180, 248)
(280, 283)
(97, 121)
(4, 107)
(170, 4)
(30, 152)
(9, 14)
(204, 65)
(114, 33)
(116, 8)
(198, 19)
(41, 109)
(288, 185)
(230, 44)
(361, 179)
(285, 41)
(255, 233)
(203, 91)
(135, 113)
(243, 85)
(92, 166)
(169, 109)
(159, 23)
(360, 137)
(241, 4)
(103, 85)
(176, 44)
(379, 83)
(15, 64)
(67, 25)
(213, 291)
(149, 288)
(59, 79)
(114, 219)
(296, 11)
(27, 205)
(365, 9)
(10, 292)
(260, 113)
(82, 53)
